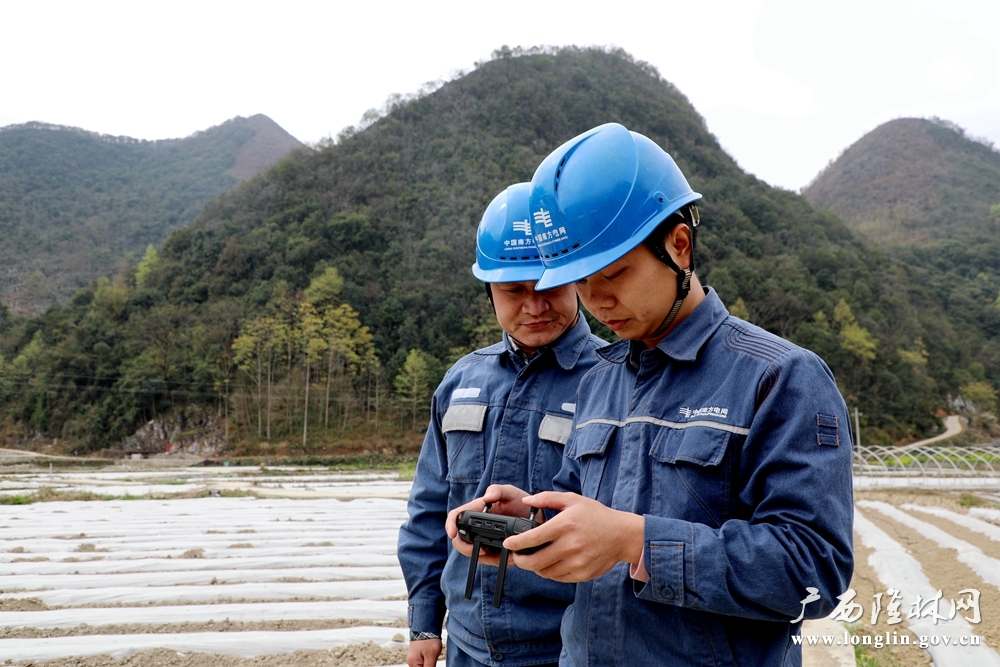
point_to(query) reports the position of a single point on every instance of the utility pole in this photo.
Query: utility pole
(857, 429)
(226, 404)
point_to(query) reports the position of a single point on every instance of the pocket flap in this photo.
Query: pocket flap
(590, 440)
(699, 445)
(556, 429)
(464, 417)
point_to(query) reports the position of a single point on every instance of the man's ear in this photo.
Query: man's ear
(489, 295)
(678, 244)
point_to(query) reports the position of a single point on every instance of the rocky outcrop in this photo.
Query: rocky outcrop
(192, 431)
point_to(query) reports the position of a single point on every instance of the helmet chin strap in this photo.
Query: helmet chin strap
(683, 275)
(683, 287)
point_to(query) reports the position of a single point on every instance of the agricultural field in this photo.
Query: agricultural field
(310, 578)
(232, 567)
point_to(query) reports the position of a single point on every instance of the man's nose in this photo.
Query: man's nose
(535, 304)
(598, 298)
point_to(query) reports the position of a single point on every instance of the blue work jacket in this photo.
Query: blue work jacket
(494, 420)
(734, 445)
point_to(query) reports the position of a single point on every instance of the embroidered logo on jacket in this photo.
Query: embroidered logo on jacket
(705, 412)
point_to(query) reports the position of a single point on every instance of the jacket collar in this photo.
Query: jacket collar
(567, 348)
(687, 339)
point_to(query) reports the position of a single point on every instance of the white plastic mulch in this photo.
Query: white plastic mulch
(199, 560)
(242, 644)
(986, 567)
(897, 568)
(316, 554)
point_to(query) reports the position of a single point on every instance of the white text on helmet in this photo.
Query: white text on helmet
(543, 217)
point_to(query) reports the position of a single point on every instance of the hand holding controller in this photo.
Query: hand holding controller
(489, 531)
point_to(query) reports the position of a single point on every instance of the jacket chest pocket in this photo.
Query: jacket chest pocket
(691, 475)
(588, 450)
(462, 427)
(553, 434)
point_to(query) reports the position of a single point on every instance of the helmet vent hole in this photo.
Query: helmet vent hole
(559, 173)
(576, 245)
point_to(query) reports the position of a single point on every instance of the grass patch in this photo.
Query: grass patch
(863, 657)
(17, 499)
(869, 656)
(971, 500)
(46, 494)
(406, 471)
(353, 462)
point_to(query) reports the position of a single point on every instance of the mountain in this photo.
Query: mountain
(74, 204)
(917, 184)
(378, 227)
(929, 196)
(267, 145)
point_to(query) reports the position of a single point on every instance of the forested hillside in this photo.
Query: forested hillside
(924, 191)
(914, 182)
(929, 196)
(320, 303)
(74, 204)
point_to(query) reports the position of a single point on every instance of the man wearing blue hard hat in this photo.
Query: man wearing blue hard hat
(704, 505)
(501, 415)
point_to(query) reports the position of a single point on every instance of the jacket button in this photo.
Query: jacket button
(667, 593)
(498, 656)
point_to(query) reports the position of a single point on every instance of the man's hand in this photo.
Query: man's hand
(586, 538)
(505, 499)
(423, 653)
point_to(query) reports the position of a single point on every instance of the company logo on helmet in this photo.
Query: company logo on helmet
(543, 217)
(522, 226)
(547, 238)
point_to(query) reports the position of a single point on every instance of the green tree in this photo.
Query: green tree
(162, 332)
(853, 337)
(350, 351)
(413, 383)
(480, 322)
(324, 290)
(980, 394)
(146, 266)
(110, 298)
(312, 343)
(739, 309)
(253, 353)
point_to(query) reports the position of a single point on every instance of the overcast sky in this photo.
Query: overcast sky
(785, 85)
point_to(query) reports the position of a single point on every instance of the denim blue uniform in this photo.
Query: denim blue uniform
(735, 446)
(494, 420)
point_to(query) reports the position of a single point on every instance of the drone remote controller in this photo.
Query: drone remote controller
(486, 530)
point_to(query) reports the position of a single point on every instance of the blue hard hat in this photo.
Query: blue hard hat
(597, 197)
(505, 250)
